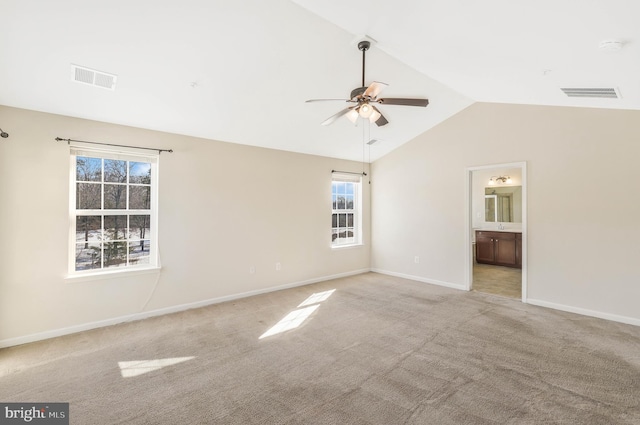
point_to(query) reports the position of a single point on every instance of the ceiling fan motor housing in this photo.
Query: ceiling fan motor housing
(355, 93)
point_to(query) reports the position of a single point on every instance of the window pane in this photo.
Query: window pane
(139, 252)
(115, 196)
(115, 254)
(349, 202)
(349, 188)
(139, 197)
(139, 226)
(115, 227)
(113, 211)
(349, 236)
(88, 229)
(88, 196)
(88, 256)
(345, 206)
(140, 172)
(88, 169)
(115, 171)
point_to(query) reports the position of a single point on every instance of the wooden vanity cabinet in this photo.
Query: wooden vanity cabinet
(499, 248)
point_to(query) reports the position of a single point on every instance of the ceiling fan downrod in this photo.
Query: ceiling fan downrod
(364, 46)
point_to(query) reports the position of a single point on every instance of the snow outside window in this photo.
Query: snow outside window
(113, 211)
(346, 190)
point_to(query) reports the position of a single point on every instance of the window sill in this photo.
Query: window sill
(111, 274)
(350, 246)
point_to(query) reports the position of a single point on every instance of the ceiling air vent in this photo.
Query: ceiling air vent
(81, 74)
(608, 93)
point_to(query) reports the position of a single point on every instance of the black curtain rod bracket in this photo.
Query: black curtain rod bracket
(59, 139)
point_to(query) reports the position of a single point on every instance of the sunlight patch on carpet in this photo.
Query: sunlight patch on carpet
(140, 367)
(316, 298)
(297, 317)
(290, 321)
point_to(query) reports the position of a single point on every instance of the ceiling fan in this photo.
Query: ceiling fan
(365, 99)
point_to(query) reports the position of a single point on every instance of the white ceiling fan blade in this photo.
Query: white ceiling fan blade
(327, 100)
(374, 89)
(332, 118)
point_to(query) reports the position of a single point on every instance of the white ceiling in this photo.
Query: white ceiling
(254, 63)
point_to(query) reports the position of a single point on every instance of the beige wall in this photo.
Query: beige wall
(223, 208)
(583, 202)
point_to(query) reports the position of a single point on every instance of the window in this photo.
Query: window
(113, 211)
(346, 193)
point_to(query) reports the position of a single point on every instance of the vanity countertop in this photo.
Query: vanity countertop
(495, 229)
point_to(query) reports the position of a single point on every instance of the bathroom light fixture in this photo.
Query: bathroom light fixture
(500, 179)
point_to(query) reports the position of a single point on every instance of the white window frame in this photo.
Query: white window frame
(126, 154)
(356, 240)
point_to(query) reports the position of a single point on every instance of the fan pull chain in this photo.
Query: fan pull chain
(369, 145)
(364, 141)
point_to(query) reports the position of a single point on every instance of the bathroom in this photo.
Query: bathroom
(496, 234)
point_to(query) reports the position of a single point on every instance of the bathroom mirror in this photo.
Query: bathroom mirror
(503, 204)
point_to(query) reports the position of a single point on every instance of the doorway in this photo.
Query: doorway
(496, 245)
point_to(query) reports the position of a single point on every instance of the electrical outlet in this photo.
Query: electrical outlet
(252, 269)
(416, 259)
(278, 266)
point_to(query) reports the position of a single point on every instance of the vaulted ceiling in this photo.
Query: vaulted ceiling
(240, 70)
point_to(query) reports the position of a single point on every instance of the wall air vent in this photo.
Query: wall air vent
(606, 93)
(84, 75)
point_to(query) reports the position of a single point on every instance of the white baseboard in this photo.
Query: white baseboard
(585, 312)
(10, 342)
(540, 303)
(421, 279)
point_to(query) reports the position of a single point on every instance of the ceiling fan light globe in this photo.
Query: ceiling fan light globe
(374, 116)
(353, 115)
(365, 110)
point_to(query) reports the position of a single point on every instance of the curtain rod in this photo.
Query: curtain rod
(59, 139)
(349, 172)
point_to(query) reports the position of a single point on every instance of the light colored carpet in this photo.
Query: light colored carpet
(378, 350)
